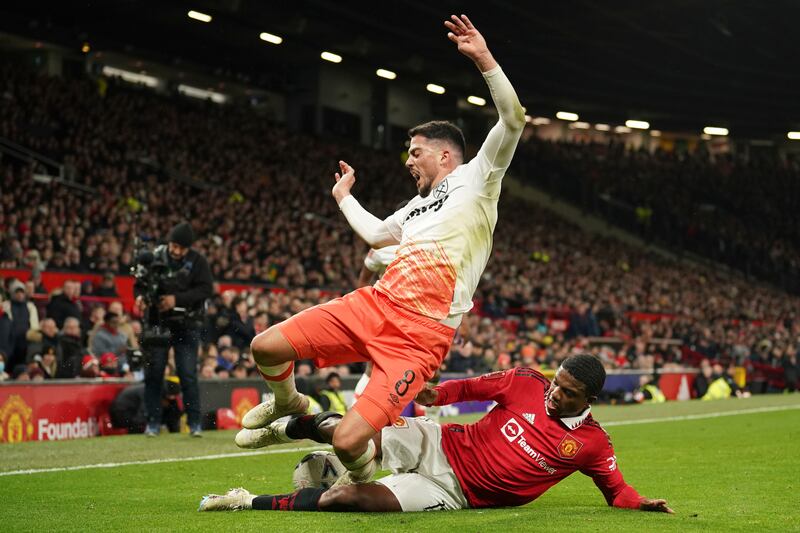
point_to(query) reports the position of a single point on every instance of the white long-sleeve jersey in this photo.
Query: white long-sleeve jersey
(445, 239)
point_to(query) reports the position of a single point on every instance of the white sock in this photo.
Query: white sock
(365, 466)
(284, 389)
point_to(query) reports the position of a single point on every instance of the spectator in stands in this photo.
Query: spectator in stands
(109, 366)
(108, 286)
(240, 326)
(791, 369)
(71, 347)
(126, 325)
(108, 337)
(703, 379)
(20, 373)
(582, 322)
(228, 357)
(239, 371)
(260, 322)
(90, 367)
(45, 337)
(24, 317)
(6, 330)
(208, 371)
(36, 279)
(65, 303)
(47, 362)
(3, 374)
(36, 374)
(330, 397)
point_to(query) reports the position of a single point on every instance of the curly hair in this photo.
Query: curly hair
(588, 370)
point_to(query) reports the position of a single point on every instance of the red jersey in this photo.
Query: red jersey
(517, 451)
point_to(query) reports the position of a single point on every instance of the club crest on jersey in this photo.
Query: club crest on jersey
(440, 190)
(569, 447)
(401, 423)
(512, 429)
(530, 417)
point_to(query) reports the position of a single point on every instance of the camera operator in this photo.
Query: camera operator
(183, 285)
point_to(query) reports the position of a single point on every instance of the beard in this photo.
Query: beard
(424, 189)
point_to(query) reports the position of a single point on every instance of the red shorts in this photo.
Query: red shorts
(364, 325)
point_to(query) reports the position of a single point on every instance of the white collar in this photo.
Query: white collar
(573, 422)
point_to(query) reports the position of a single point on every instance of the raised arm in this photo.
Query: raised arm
(376, 232)
(498, 149)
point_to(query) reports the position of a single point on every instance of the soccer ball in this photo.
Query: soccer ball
(317, 470)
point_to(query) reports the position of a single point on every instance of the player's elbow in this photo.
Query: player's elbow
(516, 119)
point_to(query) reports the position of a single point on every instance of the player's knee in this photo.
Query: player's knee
(346, 445)
(263, 346)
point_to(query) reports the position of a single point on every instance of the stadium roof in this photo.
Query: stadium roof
(682, 64)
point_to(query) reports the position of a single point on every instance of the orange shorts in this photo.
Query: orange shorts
(364, 325)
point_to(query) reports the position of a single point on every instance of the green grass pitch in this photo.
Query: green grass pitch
(739, 472)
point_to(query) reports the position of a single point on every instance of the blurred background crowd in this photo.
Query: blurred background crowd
(258, 198)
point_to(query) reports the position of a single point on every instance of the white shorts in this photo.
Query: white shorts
(421, 479)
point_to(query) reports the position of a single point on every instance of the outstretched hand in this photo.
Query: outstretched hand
(426, 396)
(470, 42)
(344, 182)
(656, 506)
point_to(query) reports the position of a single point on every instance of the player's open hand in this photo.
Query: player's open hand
(656, 506)
(426, 396)
(469, 40)
(344, 182)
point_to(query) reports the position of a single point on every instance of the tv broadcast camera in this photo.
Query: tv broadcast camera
(154, 277)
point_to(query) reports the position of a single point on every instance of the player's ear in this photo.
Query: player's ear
(591, 399)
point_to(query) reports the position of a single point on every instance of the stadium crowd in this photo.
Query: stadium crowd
(738, 209)
(258, 197)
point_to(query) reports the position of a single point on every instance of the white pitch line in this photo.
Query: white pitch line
(702, 416)
(158, 461)
(312, 448)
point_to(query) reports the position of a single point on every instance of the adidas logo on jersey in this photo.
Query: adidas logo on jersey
(529, 417)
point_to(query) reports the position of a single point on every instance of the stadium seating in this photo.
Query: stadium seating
(258, 196)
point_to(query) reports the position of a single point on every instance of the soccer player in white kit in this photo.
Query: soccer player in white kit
(404, 324)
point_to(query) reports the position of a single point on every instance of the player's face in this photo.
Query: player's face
(566, 396)
(424, 156)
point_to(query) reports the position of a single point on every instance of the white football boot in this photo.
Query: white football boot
(233, 500)
(274, 433)
(265, 413)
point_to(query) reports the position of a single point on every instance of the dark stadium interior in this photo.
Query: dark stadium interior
(679, 64)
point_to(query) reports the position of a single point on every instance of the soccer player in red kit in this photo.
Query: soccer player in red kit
(538, 434)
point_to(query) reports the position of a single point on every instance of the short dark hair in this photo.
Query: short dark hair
(588, 370)
(441, 130)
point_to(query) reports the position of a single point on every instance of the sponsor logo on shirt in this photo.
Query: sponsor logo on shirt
(513, 431)
(530, 417)
(435, 206)
(569, 447)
